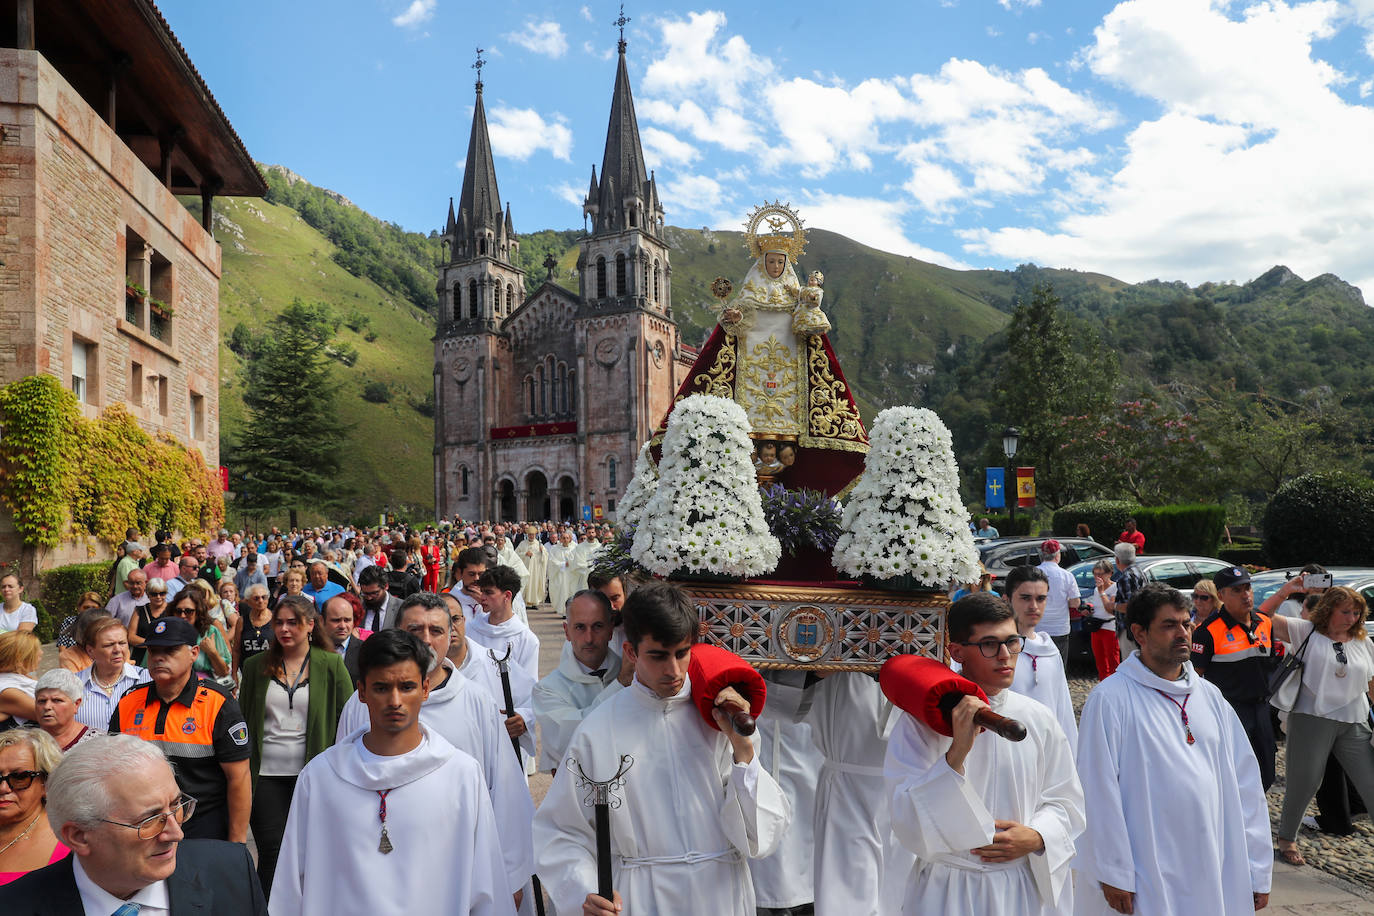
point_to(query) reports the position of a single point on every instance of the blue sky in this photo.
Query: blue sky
(1178, 139)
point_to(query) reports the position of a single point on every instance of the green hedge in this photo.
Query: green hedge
(1186, 529)
(61, 587)
(1323, 518)
(1243, 554)
(1104, 517)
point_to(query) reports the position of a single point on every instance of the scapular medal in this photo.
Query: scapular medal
(384, 846)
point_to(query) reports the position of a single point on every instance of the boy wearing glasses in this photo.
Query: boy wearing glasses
(993, 823)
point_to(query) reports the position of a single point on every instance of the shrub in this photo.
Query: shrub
(1186, 529)
(1104, 517)
(1239, 554)
(62, 586)
(1007, 528)
(1321, 517)
(376, 392)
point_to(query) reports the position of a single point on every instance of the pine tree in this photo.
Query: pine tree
(290, 448)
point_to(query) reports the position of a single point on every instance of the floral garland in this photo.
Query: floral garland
(905, 516)
(706, 515)
(641, 488)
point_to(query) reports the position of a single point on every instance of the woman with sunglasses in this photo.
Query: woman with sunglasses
(27, 841)
(1205, 600)
(192, 606)
(255, 626)
(1331, 714)
(292, 696)
(141, 624)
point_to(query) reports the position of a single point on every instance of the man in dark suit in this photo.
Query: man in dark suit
(338, 623)
(128, 854)
(379, 605)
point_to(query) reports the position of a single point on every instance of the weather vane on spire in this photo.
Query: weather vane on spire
(621, 23)
(481, 62)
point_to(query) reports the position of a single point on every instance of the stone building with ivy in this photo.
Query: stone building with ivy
(109, 282)
(542, 395)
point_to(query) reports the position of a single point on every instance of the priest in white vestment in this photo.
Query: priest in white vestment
(1177, 819)
(586, 665)
(463, 714)
(992, 822)
(1040, 671)
(563, 571)
(394, 818)
(694, 805)
(506, 555)
(786, 878)
(531, 553)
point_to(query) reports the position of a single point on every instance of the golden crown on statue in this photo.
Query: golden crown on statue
(779, 217)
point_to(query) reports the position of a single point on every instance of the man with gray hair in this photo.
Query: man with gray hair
(114, 802)
(1063, 598)
(1129, 580)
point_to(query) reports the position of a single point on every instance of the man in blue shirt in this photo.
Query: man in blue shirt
(319, 587)
(985, 530)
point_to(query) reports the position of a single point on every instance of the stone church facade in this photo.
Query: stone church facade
(543, 396)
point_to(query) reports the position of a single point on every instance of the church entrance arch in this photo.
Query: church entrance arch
(567, 499)
(505, 498)
(538, 508)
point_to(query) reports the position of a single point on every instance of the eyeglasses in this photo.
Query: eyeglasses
(1201, 596)
(150, 827)
(190, 566)
(1340, 658)
(20, 780)
(991, 647)
(154, 593)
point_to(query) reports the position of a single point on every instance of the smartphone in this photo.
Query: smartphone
(1316, 580)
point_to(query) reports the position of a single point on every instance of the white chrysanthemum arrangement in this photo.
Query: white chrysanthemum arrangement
(905, 516)
(641, 489)
(706, 515)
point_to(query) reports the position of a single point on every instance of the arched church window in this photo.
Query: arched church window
(634, 217)
(600, 277)
(496, 298)
(456, 294)
(619, 273)
(644, 283)
(529, 395)
(510, 298)
(656, 278)
(572, 391)
(482, 245)
(610, 473)
(473, 302)
(561, 392)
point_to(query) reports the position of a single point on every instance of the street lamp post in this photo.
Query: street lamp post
(1010, 436)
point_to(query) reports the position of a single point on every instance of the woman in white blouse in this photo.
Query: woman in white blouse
(1331, 715)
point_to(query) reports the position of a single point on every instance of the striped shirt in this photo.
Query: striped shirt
(96, 706)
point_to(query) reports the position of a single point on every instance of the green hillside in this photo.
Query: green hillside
(906, 331)
(272, 256)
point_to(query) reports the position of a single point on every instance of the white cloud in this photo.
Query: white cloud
(688, 193)
(1253, 160)
(695, 59)
(665, 148)
(586, 13)
(545, 38)
(875, 222)
(597, 51)
(517, 133)
(569, 193)
(826, 126)
(1017, 4)
(419, 11)
(726, 128)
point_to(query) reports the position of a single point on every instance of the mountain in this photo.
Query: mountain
(905, 331)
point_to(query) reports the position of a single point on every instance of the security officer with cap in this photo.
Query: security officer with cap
(1234, 649)
(198, 726)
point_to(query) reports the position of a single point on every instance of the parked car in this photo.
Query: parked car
(1180, 572)
(1000, 555)
(1360, 578)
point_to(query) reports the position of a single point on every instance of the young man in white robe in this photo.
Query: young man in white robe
(463, 714)
(1040, 669)
(499, 630)
(992, 822)
(531, 553)
(694, 806)
(391, 814)
(1177, 820)
(585, 667)
(506, 555)
(784, 882)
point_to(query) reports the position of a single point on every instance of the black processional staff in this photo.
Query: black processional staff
(601, 800)
(503, 665)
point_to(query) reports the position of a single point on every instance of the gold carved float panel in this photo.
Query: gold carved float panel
(798, 628)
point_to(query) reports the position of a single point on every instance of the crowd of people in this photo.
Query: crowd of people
(368, 705)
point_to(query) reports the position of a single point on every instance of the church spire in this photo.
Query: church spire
(622, 199)
(480, 200)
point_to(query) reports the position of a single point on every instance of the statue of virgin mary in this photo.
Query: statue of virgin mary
(769, 353)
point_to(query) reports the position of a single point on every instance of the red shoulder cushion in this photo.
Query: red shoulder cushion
(712, 669)
(915, 684)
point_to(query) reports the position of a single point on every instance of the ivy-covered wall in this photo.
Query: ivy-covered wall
(63, 476)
